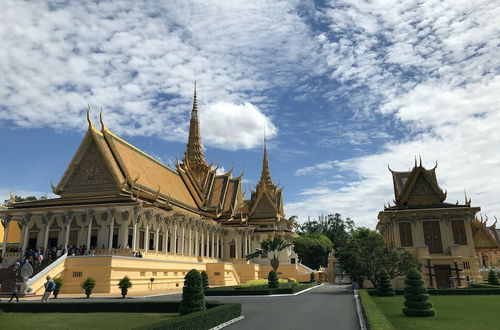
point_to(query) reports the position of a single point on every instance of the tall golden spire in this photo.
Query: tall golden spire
(265, 178)
(194, 152)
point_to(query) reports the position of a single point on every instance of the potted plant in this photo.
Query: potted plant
(59, 284)
(124, 285)
(88, 285)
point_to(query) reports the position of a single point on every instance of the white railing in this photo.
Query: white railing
(47, 269)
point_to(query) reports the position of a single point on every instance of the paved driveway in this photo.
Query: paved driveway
(326, 307)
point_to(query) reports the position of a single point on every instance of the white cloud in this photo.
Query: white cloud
(463, 136)
(235, 126)
(138, 60)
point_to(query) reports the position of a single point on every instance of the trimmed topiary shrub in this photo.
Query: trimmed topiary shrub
(272, 280)
(312, 278)
(88, 285)
(493, 277)
(384, 285)
(204, 280)
(416, 297)
(59, 284)
(124, 284)
(193, 298)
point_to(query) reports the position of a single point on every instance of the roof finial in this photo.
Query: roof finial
(420, 158)
(103, 126)
(194, 151)
(415, 161)
(88, 117)
(265, 178)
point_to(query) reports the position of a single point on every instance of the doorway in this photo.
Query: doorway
(443, 275)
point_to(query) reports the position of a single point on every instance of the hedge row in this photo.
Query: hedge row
(200, 320)
(96, 307)
(256, 292)
(449, 292)
(485, 286)
(374, 318)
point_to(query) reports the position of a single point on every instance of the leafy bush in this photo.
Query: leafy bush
(272, 280)
(312, 278)
(204, 279)
(201, 320)
(374, 318)
(193, 298)
(88, 285)
(416, 296)
(59, 284)
(253, 291)
(124, 284)
(263, 283)
(493, 277)
(384, 285)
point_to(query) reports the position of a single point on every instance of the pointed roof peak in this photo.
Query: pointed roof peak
(265, 178)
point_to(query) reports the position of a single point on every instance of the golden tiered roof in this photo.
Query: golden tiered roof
(105, 167)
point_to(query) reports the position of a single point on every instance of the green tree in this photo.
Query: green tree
(416, 297)
(313, 249)
(88, 285)
(365, 255)
(338, 230)
(270, 249)
(193, 297)
(312, 278)
(272, 280)
(124, 284)
(493, 277)
(384, 288)
(204, 280)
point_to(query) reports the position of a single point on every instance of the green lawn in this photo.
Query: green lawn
(73, 321)
(452, 312)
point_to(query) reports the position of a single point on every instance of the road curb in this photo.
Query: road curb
(225, 324)
(359, 311)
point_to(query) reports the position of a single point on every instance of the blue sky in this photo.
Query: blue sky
(341, 88)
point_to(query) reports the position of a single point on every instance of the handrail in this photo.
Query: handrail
(309, 269)
(48, 268)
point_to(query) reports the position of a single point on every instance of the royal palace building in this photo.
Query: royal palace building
(439, 234)
(115, 201)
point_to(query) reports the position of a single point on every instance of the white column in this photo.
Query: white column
(208, 243)
(213, 244)
(6, 223)
(174, 241)
(196, 243)
(68, 216)
(202, 254)
(48, 222)
(135, 220)
(146, 237)
(26, 223)
(157, 237)
(217, 245)
(190, 241)
(183, 239)
(90, 213)
(246, 243)
(111, 213)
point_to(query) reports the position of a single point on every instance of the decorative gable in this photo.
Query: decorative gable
(88, 172)
(423, 193)
(264, 207)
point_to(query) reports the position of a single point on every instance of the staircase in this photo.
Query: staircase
(7, 280)
(8, 277)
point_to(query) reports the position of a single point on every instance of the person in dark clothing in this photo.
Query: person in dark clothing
(15, 291)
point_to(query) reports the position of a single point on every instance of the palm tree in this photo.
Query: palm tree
(270, 248)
